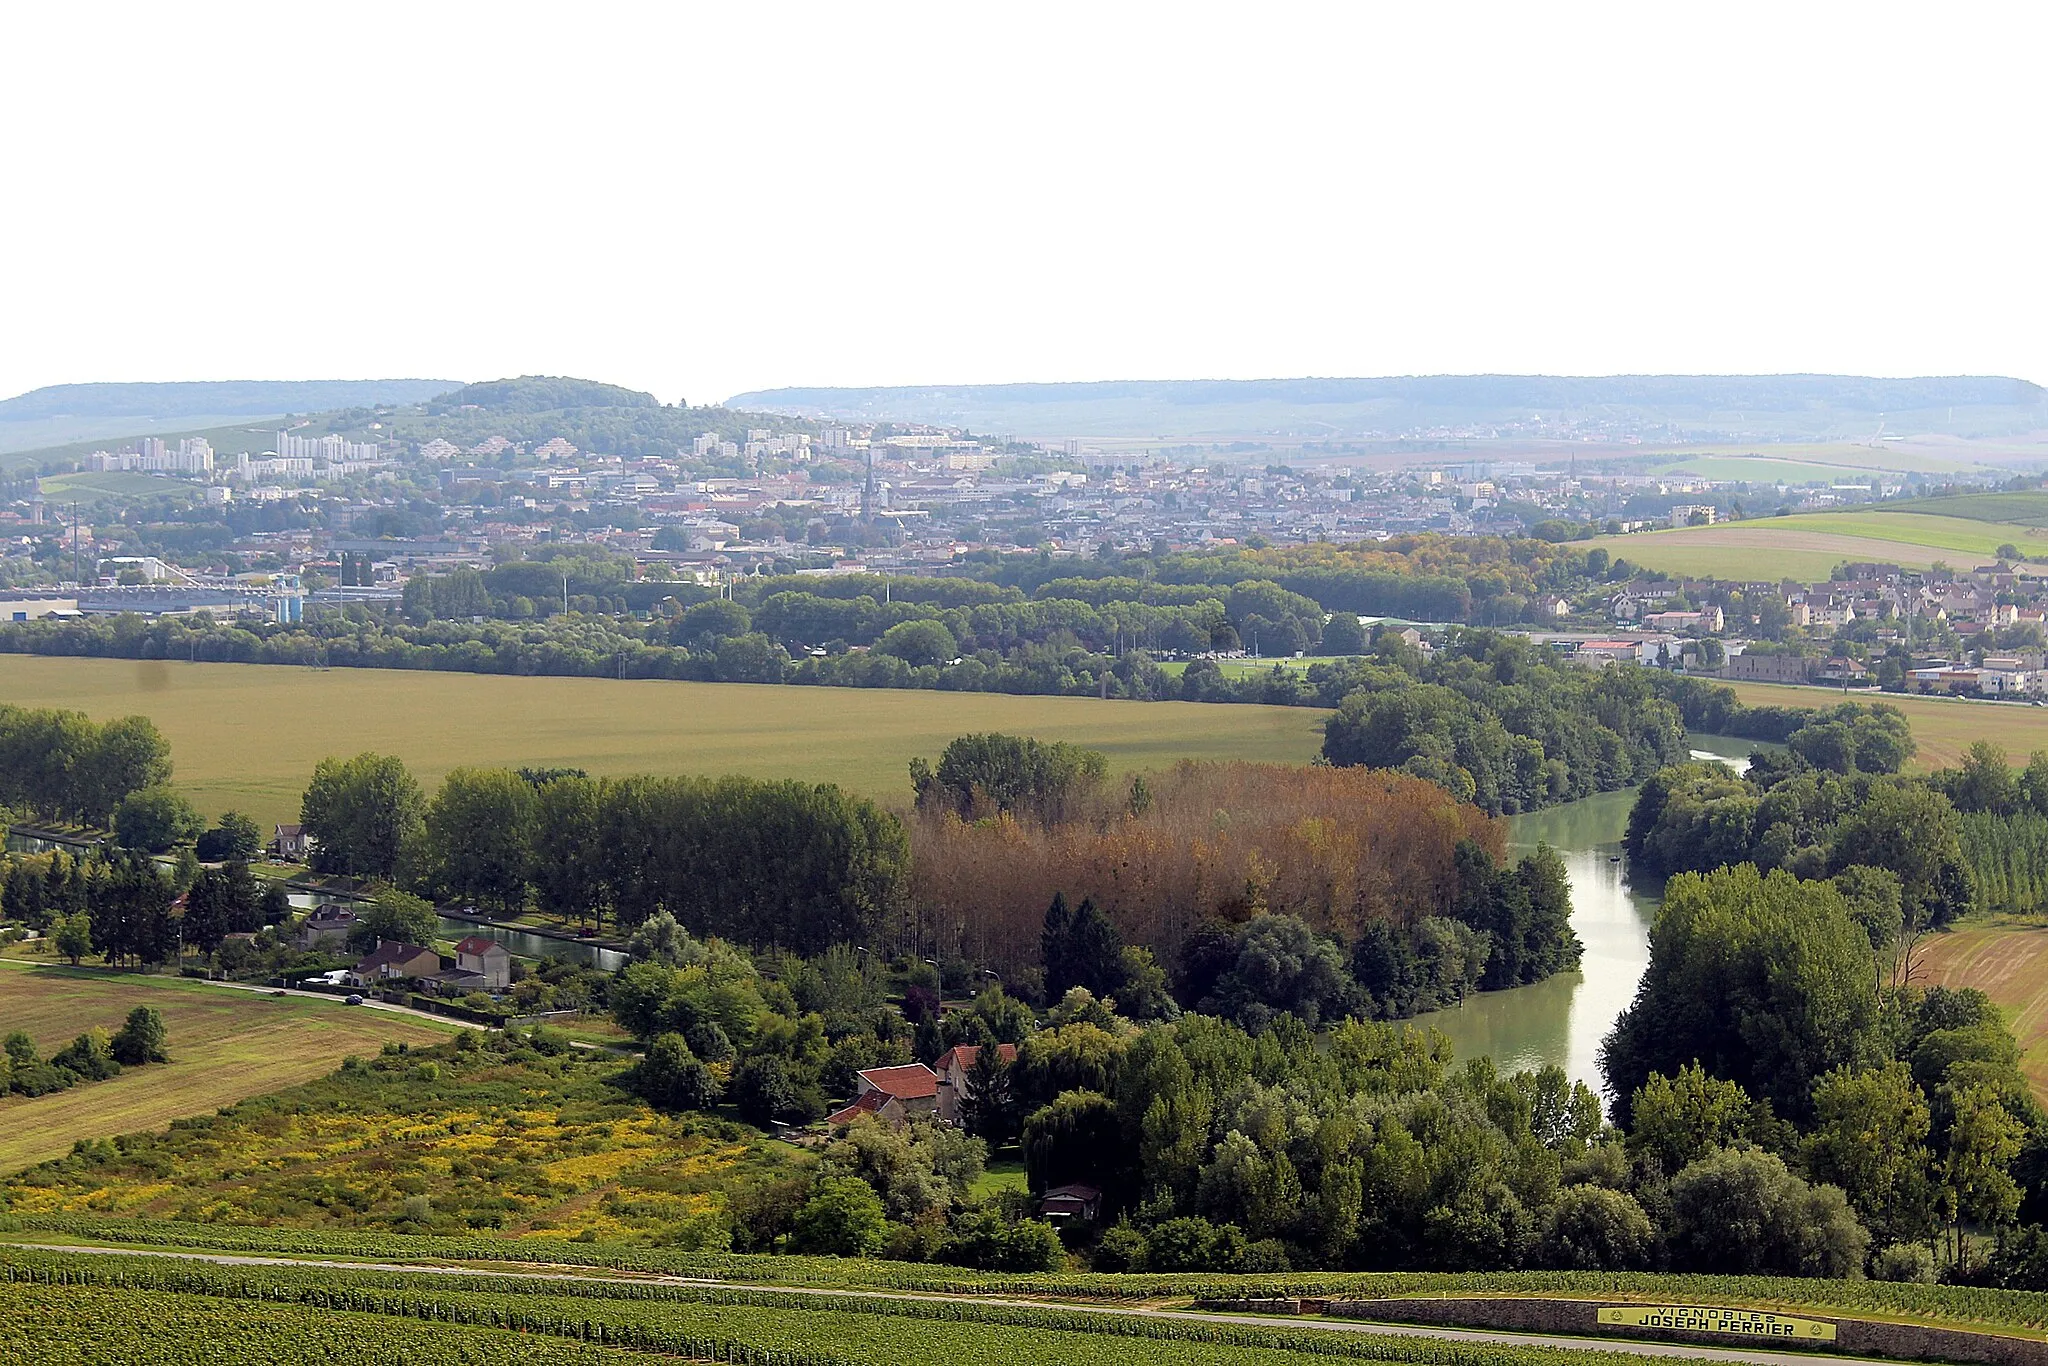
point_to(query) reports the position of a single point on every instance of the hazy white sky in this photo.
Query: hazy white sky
(702, 199)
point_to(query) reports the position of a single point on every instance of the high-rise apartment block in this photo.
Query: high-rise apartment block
(329, 449)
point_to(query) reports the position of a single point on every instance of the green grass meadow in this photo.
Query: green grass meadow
(1809, 545)
(247, 736)
(225, 1045)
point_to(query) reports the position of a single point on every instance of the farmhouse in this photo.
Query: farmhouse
(326, 924)
(892, 1094)
(393, 961)
(291, 843)
(1071, 1204)
(485, 958)
(955, 1089)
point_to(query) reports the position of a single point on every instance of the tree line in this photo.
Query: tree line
(1499, 722)
(1218, 1144)
(794, 864)
(1925, 848)
(1241, 889)
(64, 766)
(1772, 1014)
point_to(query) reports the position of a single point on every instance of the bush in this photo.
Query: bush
(671, 1077)
(236, 838)
(1594, 1229)
(843, 1218)
(1903, 1262)
(763, 1092)
(89, 1056)
(1194, 1244)
(1267, 1256)
(1122, 1249)
(141, 1039)
(984, 1239)
(1740, 1212)
(154, 819)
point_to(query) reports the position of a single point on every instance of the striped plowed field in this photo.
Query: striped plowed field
(2007, 961)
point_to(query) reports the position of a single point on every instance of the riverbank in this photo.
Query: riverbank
(1943, 727)
(1563, 1019)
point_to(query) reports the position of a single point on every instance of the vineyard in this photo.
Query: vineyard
(172, 1312)
(750, 1281)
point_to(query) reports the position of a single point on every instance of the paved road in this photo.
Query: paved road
(369, 1002)
(1621, 1345)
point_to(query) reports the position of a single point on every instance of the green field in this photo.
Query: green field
(2022, 508)
(1241, 668)
(248, 736)
(1764, 470)
(225, 1045)
(1809, 545)
(1835, 461)
(111, 484)
(1943, 727)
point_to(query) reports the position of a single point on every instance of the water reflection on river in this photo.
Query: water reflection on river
(1562, 1020)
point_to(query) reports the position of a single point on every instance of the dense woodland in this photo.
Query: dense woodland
(1833, 804)
(1496, 721)
(1175, 868)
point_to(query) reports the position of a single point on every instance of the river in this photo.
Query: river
(1563, 1019)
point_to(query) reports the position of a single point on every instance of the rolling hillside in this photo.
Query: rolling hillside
(61, 413)
(1663, 407)
(1961, 532)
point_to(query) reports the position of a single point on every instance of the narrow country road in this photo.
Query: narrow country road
(1507, 1339)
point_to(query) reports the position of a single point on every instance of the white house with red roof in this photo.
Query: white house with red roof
(955, 1090)
(488, 959)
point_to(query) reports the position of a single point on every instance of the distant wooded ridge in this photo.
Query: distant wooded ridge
(211, 398)
(1753, 407)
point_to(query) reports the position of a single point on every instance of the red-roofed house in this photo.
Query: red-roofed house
(894, 1094)
(952, 1068)
(488, 959)
(880, 1104)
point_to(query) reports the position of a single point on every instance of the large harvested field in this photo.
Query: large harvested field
(1943, 727)
(225, 1045)
(1809, 545)
(2007, 960)
(247, 736)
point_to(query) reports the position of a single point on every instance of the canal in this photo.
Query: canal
(1563, 1019)
(521, 943)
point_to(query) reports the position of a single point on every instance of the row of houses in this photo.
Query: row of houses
(480, 963)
